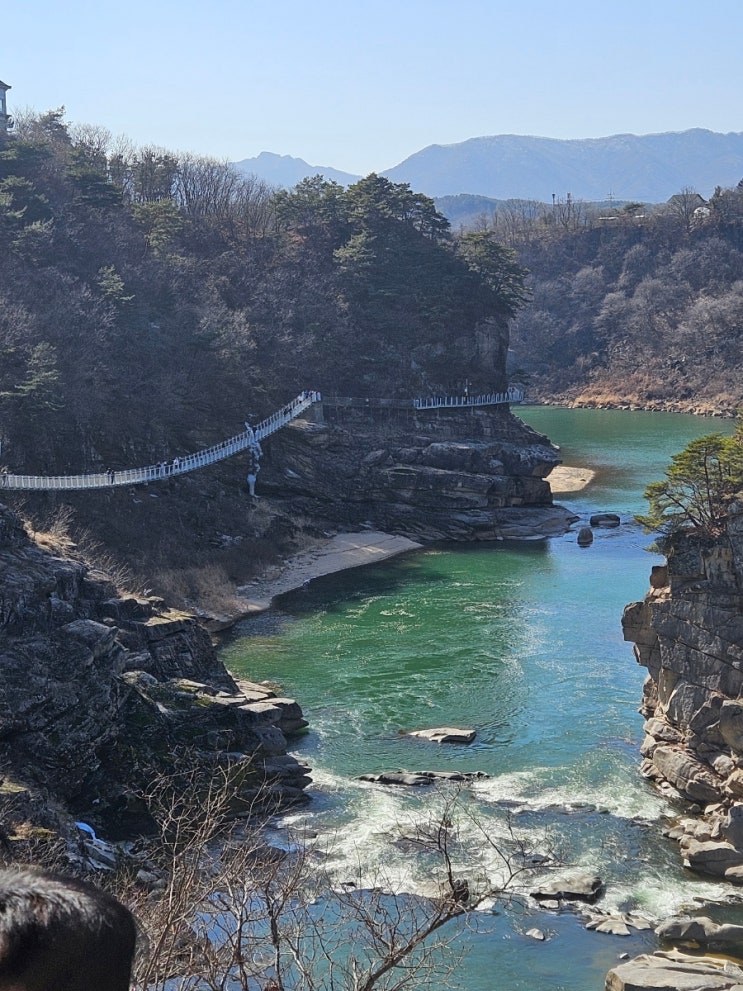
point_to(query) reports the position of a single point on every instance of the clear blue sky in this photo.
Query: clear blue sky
(360, 85)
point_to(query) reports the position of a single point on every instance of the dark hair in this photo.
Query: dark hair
(59, 933)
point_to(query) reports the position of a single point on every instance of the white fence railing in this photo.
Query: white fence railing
(485, 399)
(166, 469)
(225, 449)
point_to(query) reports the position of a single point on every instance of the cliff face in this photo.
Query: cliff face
(448, 474)
(99, 692)
(688, 633)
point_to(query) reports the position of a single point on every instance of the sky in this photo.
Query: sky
(360, 85)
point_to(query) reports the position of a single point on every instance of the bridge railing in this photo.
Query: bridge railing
(233, 445)
(512, 395)
(166, 469)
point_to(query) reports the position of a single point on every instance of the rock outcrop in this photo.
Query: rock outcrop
(421, 779)
(445, 734)
(574, 885)
(701, 931)
(688, 633)
(675, 972)
(449, 474)
(100, 691)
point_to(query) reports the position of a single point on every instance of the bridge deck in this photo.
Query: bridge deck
(240, 442)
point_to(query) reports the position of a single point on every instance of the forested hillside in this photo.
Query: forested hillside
(150, 302)
(147, 297)
(639, 305)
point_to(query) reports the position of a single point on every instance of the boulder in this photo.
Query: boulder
(710, 857)
(612, 924)
(417, 779)
(730, 825)
(617, 923)
(659, 576)
(445, 734)
(585, 536)
(572, 886)
(694, 779)
(731, 724)
(734, 784)
(675, 972)
(734, 875)
(660, 730)
(608, 520)
(703, 932)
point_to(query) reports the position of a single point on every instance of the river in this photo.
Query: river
(522, 642)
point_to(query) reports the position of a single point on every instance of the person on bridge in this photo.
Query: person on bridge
(255, 453)
(253, 469)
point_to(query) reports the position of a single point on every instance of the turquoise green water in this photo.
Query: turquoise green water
(522, 642)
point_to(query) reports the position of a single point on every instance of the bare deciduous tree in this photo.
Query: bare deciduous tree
(236, 913)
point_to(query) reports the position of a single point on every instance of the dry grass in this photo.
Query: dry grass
(642, 391)
(205, 587)
(58, 533)
(54, 532)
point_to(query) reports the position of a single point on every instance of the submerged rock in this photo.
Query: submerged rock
(616, 923)
(608, 520)
(445, 734)
(417, 779)
(585, 536)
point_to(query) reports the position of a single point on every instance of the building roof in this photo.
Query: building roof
(4, 85)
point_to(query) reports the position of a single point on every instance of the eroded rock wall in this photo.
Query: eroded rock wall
(449, 474)
(688, 633)
(99, 691)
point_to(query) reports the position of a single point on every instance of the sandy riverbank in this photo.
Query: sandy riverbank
(354, 550)
(564, 479)
(341, 552)
(723, 407)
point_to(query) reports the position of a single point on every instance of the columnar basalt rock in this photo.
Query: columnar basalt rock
(688, 633)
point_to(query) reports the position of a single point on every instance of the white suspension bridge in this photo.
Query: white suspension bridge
(249, 439)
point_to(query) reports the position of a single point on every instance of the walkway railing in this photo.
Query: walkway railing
(233, 445)
(512, 395)
(178, 466)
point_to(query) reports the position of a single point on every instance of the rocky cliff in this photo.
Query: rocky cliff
(100, 691)
(688, 633)
(443, 474)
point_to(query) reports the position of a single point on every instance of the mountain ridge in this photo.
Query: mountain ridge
(648, 168)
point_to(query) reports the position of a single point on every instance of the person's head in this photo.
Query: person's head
(59, 933)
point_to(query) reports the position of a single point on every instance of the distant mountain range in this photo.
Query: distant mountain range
(649, 168)
(285, 171)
